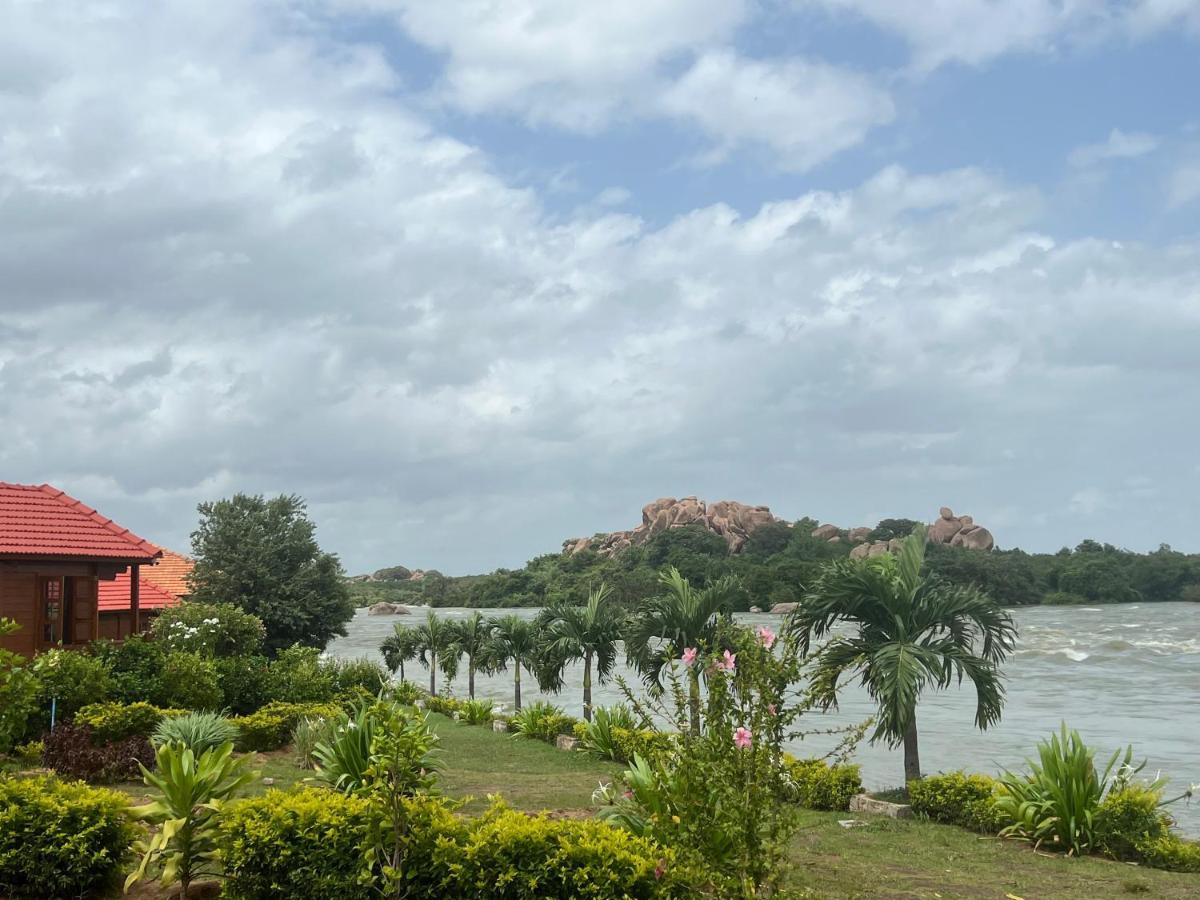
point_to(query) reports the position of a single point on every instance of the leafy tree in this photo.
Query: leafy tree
(472, 638)
(514, 640)
(400, 646)
(893, 528)
(588, 633)
(678, 618)
(436, 648)
(911, 632)
(262, 556)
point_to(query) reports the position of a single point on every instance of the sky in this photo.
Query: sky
(475, 277)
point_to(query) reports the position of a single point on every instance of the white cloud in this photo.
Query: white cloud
(1183, 185)
(1118, 145)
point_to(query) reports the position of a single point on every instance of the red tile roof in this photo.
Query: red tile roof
(42, 521)
(114, 596)
(170, 572)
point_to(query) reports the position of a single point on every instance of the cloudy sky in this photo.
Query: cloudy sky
(477, 276)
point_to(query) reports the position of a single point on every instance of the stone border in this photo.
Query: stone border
(865, 803)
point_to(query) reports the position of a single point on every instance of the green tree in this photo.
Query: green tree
(262, 556)
(514, 640)
(910, 632)
(399, 647)
(589, 633)
(472, 638)
(893, 528)
(678, 618)
(436, 648)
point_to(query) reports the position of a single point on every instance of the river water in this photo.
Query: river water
(1118, 674)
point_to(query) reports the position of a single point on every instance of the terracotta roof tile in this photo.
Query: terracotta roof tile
(42, 521)
(170, 572)
(113, 596)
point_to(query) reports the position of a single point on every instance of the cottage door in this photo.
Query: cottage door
(82, 593)
(50, 594)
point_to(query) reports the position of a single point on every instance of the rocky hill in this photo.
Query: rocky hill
(735, 522)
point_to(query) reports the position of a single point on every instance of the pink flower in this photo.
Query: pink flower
(729, 663)
(689, 656)
(767, 636)
(660, 870)
(741, 738)
(771, 708)
(628, 795)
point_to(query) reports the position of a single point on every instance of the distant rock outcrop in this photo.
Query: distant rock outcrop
(957, 531)
(393, 573)
(733, 521)
(384, 608)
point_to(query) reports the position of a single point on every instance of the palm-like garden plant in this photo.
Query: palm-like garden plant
(909, 632)
(679, 618)
(589, 633)
(513, 640)
(436, 648)
(473, 638)
(399, 647)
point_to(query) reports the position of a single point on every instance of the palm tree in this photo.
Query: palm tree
(472, 637)
(436, 647)
(678, 618)
(589, 633)
(399, 647)
(910, 632)
(513, 639)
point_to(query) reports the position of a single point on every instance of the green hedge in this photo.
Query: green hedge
(957, 798)
(60, 838)
(116, 721)
(1171, 852)
(309, 843)
(643, 742)
(271, 727)
(817, 785)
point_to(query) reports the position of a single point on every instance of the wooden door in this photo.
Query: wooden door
(83, 610)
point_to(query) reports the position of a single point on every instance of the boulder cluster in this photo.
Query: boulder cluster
(957, 531)
(733, 521)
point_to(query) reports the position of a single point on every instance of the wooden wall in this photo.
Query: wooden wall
(18, 601)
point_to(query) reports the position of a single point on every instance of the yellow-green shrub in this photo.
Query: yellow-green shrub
(508, 854)
(1127, 818)
(1171, 852)
(821, 786)
(580, 731)
(116, 721)
(305, 843)
(643, 742)
(957, 798)
(60, 838)
(271, 727)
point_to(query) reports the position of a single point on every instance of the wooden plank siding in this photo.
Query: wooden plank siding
(21, 599)
(18, 601)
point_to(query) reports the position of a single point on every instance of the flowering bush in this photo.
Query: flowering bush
(209, 629)
(719, 796)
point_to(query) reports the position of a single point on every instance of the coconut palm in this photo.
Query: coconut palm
(472, 637)
(909, 632)
(399, 647)
(678, 618)
(513, 640)
(589, 633)
(436, 648)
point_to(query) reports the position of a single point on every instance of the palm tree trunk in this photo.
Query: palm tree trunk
(433, 674)
(694, 700)
(401, 670)
(471, 678)
(517, 687)
(912, 758)
(587, 687)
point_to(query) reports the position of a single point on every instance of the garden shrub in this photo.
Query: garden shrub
(209, 629)
(190, 682)
(60, 839)
(30, 753)
(508, 854)
(822, 786)
(476, 712)
(112, 721)
(199, 731)
(644, 742)
(304, 843)
(406, 692)
(1171, 852)
(243, 682)
(135, 668)
(270, 727)
(957, 798)
(543, 721)
(72, 751)
(357, 675)
(297, 675)
(447, 706)
(598, 735)
(72, 678)
(18, 693)
(1127, 818)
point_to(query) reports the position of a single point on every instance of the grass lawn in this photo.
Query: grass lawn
(886, 858)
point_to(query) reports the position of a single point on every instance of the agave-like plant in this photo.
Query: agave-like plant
(198, 730)
(1056, 803)
(193, 789)
(476, 712)
(341, 760)
(599, 735)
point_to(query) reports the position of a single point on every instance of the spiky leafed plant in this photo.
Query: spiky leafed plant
(909, 632)
(513, 641)
(669, 623)
(472, 638)
(436, 648)
(399, 647)
(587, 633)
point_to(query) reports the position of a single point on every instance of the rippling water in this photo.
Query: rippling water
(1118, 674)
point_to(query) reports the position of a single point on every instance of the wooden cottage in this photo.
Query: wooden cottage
(55, 553)
(162, 584)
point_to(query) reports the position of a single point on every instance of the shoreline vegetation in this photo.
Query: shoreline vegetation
(778, 559)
